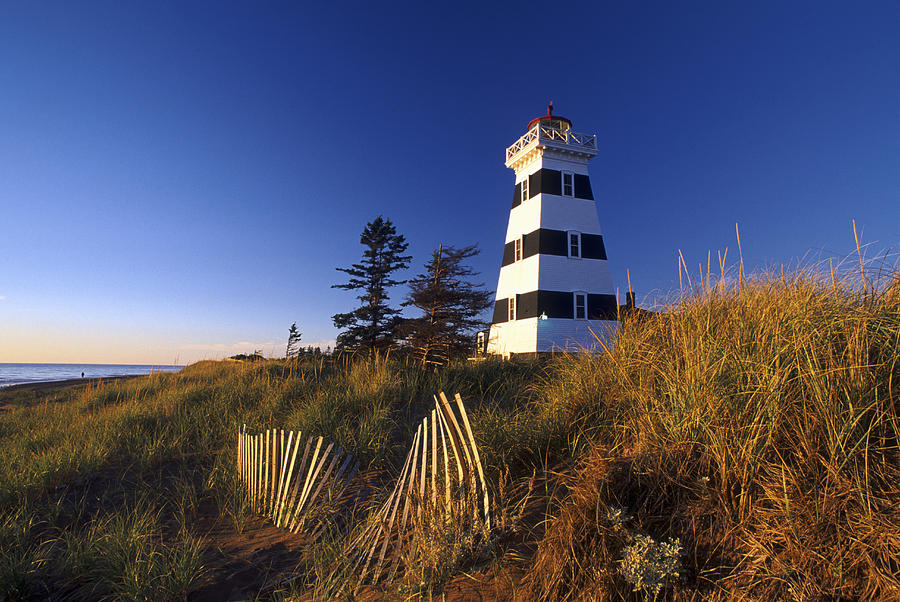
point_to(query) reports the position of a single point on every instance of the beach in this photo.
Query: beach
(61, 384)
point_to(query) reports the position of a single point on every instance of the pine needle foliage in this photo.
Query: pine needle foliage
(450, 303)
(372, 326)
(293, 349)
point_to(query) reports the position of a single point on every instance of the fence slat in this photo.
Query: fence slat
(286, 519)
(323, 523)
(312, 499)
(434, 497)
(456, 426)
(285, 452)
(406, 504)
(260, 461)
(306, 484)
(424, 465)
(267, 460)
(445, 429)
(253, 472)
(239, 454)
(312, 479)
(395, 499)
(279, 522)
(465, 417)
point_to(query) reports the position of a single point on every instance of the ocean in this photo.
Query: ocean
(16, 374)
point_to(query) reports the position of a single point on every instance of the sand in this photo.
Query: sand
(61, 384)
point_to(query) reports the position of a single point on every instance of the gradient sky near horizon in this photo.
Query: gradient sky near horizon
(178, 180)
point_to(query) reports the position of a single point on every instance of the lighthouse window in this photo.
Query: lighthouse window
(568, 184)
(512, 308)
(580, 306)
(525, 190)
(575, 244)
(519, 249)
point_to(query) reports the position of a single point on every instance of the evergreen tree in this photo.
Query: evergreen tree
(293, 343)
(372, 325)
(450, 305)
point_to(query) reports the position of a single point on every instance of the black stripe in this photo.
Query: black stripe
(552, 182)
(545, 241)
(556, 304)
(583, 187)
(526, 305)
(531, 244)
(592, 246)
(549, 181)
(602, 307)
(509, 253)
(534, 183)
(501, 311)
(553, 242)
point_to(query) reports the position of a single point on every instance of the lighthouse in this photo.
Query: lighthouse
(555, 292)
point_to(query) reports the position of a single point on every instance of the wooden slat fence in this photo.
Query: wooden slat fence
(438, 482)
(289, 486)
(442, 480)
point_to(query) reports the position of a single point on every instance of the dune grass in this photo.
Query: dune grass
(742, 443)
(758, 425)
(129, 465)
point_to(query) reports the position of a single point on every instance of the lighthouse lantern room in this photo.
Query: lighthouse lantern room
(555, 292)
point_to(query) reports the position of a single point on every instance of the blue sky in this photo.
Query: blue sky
(179, 180)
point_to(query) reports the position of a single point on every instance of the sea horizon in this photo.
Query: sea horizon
(18, 373)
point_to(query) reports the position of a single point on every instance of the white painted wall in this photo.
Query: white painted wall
(574, 335)
(552, 160)
(534, 334)
(524, 218)
(558, 273)
(569, 213)
(518, 336)
(518, 277)
(554, 273)
(554, 212)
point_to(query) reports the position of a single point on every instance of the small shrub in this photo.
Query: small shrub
(647, 564)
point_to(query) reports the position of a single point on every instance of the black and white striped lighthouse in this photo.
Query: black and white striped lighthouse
(555, 286)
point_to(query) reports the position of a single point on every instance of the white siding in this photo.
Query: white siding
(518, 277)
(558, 273)
(524, 218)
(569, 213)
(574, 335)
(517, 336)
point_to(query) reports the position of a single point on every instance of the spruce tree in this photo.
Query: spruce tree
(372, 325)
(450, 305)
(293, 343)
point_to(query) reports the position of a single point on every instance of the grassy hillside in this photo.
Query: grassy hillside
(743, 443)
(756, 430)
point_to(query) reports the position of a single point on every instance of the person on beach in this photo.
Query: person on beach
(82, 375)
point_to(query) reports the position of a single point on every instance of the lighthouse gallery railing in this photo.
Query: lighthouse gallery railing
(542, 132)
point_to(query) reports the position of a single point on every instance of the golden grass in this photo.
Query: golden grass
(755, 424)
(758, 424)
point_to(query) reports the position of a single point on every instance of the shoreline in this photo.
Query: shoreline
(69, 382)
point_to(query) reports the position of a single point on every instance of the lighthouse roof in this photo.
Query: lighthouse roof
(550, 133)
(555, 121)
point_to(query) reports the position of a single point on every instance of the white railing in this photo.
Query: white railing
(540, 133)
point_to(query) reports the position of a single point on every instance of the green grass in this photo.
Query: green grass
(134, 461)
(757, 424)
